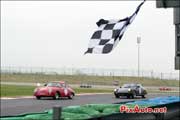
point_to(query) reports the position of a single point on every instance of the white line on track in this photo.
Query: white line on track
(82, 94)
(23, 97)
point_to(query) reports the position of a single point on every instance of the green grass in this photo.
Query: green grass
(14, 90)
(17, 90)
(78, 79)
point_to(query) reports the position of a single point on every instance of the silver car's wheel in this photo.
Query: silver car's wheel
(143, 96)
(117, 96)
(132, 96)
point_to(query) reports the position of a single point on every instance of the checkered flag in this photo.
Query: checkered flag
(109, 33)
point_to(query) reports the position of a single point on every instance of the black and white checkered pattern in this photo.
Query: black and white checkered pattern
(109, 33)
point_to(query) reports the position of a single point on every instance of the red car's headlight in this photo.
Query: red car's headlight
(35, 90)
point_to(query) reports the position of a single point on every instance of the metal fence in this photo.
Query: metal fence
(92, 72)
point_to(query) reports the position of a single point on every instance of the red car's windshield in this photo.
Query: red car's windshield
(54, 84)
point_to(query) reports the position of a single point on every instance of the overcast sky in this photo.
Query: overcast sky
(57, 33)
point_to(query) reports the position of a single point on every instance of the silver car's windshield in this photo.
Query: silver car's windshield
(126, 86)
(129, 86)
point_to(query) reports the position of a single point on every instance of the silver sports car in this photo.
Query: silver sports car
(130, 90)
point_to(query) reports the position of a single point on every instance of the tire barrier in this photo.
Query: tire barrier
(173, 113)
(85, 86)
(165, 89)
(108, 111)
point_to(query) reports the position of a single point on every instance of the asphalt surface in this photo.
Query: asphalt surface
(11, 107)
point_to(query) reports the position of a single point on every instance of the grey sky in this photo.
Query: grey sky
(57, 33)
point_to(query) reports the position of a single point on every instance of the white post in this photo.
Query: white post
(138, 42)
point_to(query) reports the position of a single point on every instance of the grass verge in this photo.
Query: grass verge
(15, 90)
(19, 90)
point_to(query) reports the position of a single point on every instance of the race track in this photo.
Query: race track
(29, 105)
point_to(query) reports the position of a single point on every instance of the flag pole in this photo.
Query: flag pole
(138, 42)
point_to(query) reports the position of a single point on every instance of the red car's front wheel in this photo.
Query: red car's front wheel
(71, 96)
(38, 97)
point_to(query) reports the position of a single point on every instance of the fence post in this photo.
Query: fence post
(57, 113)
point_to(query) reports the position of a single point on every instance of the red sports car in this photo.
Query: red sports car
(55, 90)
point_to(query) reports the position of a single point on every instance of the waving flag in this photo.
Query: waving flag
(109, 33)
